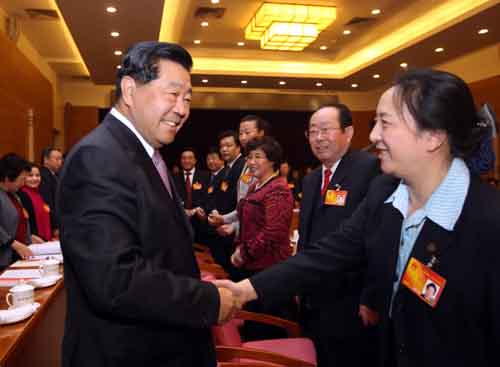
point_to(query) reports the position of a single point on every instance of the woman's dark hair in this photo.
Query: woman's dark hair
(438, 100)
(11, 166)
(141, 61)
(270, 147)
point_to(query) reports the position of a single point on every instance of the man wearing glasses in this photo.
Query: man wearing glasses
(335, 317)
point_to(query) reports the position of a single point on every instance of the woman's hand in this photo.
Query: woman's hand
(36, 239)
(236, 258)
(22, 250)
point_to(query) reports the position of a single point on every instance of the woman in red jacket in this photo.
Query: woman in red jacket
(265, 213)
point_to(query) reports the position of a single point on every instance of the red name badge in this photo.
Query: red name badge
(425, 283)
(197, 186)
(336, 197)
(210, 189)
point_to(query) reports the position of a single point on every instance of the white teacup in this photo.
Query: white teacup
(49, 267)
(20, 295)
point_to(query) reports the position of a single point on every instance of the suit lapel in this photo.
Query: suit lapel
(341, 172)
(140, 157)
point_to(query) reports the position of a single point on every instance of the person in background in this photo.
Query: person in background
(191, 185)
(38, 209)
(251, 127)
(293, 184)
(226, 197)
(265, 215)
(15, 234)
(329, 315)
(52, 161)
(429, 209)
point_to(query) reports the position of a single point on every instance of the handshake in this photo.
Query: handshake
(233, 297)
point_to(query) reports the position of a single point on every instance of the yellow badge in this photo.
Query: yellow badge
(291, 186)
(46, 208)
(246, 178)
(197, 186)
(423, 282)
(336, 197)
(224, 186)
(210, 189)
(25, 214)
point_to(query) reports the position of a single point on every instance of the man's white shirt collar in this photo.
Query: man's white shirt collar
(125, 121)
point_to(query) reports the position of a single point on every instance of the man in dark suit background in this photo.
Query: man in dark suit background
(133, 291)
(226, 196)
(191, 184)
(52, 161)
(330, 316)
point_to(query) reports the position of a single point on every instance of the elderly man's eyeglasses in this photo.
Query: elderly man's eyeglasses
(325, 131)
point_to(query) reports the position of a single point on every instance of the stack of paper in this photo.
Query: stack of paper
(10, 278)
(46, 248)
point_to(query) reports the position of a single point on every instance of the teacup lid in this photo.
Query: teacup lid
(21, 287)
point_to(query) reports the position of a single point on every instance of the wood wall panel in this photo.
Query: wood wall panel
(14, 126)
(79, 121)
(362, 126)
(27, 87)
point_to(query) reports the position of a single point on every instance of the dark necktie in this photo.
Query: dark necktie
(189, 192)
(161, 167)
(326, 181)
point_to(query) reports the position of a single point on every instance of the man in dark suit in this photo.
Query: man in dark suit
(133, 288)
(330, 316)
(192, 185)
(52, 161)
(226, 196)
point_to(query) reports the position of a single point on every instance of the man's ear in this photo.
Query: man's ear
(128, 87)
(349, 130)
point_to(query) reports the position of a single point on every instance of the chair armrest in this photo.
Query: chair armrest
(228, 354)
(292, 328)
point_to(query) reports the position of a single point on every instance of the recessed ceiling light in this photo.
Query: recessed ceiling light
(346, 31)
(204, 24)
(118, 52)
(403, 65)
(319, 84)
(376, 76)
(354, 85)
(439, 49)
(118, 66)
(483, 31)
(215, 1)
(323, 48)
(111, 9)
(197, 42)
(115, 34)
(282, 82)
(244, 82)
(241, 44)
(204, 80)
(376, 11)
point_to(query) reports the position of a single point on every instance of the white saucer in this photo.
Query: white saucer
(45, 281)
(18, 314)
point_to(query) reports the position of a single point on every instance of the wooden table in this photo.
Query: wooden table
(35, 341)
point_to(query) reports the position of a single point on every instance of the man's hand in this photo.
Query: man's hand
(200, 213)
(368, 316)
(22, 250)
(236, 258)
(189, 212)
(229, 305)
(215, 219)
(36, 239)
(243, 291)
(225, 230)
